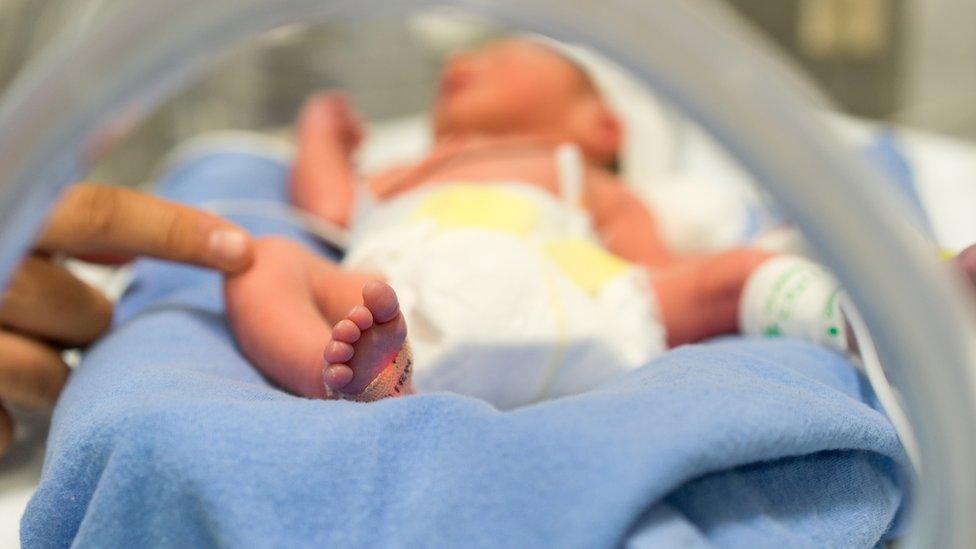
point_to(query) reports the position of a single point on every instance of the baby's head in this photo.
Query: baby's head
(522, 87)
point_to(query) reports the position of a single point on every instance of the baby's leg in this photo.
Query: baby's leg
(699, 298)
(282, 310)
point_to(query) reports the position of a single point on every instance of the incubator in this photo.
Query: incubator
(82, 90)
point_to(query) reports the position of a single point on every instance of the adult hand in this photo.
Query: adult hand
(46, 309)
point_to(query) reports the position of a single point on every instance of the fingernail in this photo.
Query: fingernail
(228, 246)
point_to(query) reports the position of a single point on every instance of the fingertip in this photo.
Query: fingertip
(100, 219)
(230, 249)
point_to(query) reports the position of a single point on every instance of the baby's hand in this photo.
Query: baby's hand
(328, 115)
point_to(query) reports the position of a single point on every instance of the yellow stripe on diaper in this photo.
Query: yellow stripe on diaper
(589, 266)
(479, 206)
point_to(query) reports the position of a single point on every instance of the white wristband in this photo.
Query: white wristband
(793, 297)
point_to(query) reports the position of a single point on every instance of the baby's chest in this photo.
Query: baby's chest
(530, 170)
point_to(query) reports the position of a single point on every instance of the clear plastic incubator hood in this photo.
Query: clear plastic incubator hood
(691, 52)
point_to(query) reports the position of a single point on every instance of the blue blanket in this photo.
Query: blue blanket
(165, 436)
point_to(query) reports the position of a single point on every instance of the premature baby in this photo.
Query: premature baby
(516, 259)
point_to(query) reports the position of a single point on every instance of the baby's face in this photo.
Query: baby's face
(508, 87)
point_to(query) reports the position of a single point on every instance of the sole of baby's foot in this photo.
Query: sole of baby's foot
(366, 358)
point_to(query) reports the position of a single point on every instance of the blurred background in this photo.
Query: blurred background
(910, 62)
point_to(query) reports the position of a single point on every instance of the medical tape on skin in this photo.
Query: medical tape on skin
(394, 380)
(789, 296)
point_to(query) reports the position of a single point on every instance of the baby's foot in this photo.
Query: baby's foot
(366, 359)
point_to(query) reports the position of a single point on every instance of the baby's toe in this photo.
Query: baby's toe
(361, 317)
(337, 352)
(381, 300)
(337, 376)
(346, 331)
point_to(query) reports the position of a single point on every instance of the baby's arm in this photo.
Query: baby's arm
(759, 293)
(700, 297)
(323, 178)
(624, 224)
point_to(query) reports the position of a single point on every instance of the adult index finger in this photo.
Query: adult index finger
(100, 219)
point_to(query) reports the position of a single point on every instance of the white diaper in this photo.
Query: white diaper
(507, 294)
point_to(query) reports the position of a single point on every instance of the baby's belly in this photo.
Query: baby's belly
(493, 316)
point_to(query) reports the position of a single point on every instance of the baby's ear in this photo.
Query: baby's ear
(599, 132)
